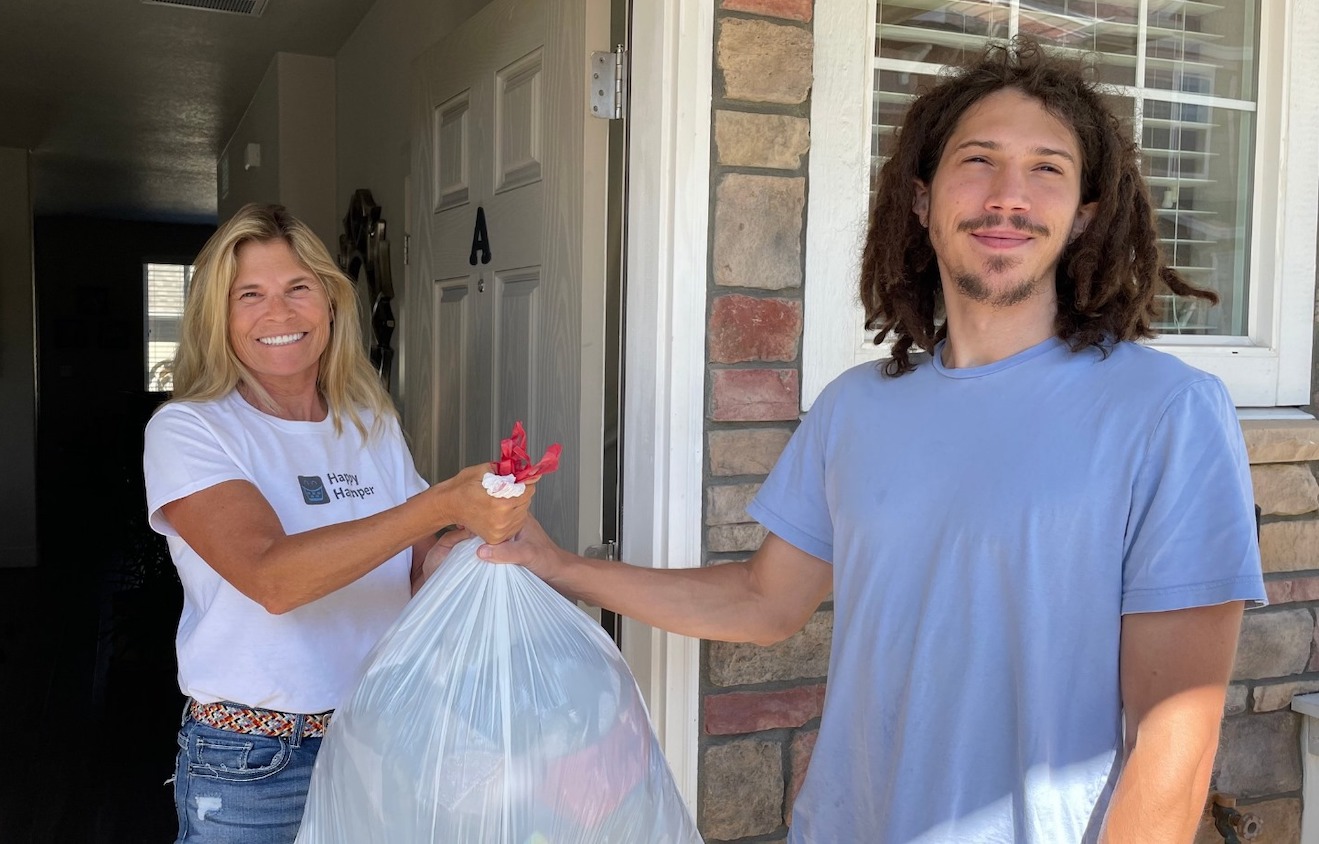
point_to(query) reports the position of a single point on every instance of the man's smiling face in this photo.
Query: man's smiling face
(1005, 200)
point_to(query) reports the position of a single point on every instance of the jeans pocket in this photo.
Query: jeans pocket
(234, 757)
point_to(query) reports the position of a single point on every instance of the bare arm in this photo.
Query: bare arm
(762, 600)
(236, 531)
(1174, 669)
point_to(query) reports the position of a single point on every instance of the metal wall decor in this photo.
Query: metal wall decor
(480, 239)
(363, 248)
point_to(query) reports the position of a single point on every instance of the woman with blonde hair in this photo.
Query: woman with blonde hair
(297, 521)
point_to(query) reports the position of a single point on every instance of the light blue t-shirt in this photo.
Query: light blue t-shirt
(988, 527)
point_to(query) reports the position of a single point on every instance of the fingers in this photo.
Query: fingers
(504, 519)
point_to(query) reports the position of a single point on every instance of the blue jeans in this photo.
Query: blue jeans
(237, 788)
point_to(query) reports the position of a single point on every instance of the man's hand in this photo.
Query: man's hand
(532, 548)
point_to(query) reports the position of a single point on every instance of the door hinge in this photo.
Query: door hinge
(607, 550)
(608, 80)
(407, 248)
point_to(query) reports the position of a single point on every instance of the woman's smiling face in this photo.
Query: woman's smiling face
(279, 317)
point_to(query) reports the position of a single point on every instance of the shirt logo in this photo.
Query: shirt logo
(313, 489)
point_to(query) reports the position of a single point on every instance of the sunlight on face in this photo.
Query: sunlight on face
(1005, 200)
(279, 317)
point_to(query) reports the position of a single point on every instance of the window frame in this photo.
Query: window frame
(189, 272)
(1269, 367)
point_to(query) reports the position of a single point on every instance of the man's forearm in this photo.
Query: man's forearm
(717, 602)
(1160, 795)
(763, 600)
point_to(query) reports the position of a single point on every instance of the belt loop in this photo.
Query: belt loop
(187, 711)
(299, 727)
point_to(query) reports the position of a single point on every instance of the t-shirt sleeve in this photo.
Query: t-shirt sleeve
(181, 456)
(791, 503)
(1191, 536)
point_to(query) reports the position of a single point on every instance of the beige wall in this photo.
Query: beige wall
(307, 142)
(292, 118)
(18, 393)
(260, 125)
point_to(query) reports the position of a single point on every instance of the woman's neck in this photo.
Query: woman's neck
(297, 405)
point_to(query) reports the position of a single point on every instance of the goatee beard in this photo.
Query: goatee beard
(975, 289)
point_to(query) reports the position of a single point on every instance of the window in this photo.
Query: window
(166, 288)
(1227, 144)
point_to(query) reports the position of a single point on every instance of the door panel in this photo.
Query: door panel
(453, 299)
(501, 128)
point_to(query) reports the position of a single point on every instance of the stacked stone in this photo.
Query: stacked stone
(760, 706)
(1259, 754)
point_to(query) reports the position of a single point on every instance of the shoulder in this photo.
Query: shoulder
(1153, 375)
(866, 379)
(1169, 393)
(186, 413)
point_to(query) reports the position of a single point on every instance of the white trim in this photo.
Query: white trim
(1270, 367)
(664, 390)
(839, 195)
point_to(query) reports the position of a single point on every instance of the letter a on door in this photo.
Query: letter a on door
(480, 239)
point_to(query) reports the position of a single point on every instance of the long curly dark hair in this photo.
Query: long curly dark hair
(1107, 277)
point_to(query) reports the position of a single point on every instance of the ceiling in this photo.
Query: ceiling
(126, 105)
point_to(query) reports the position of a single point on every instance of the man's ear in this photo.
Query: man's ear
(920, 205)
(1084, 215)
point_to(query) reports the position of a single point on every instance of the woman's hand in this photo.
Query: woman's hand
(440, 551)
(464, 501)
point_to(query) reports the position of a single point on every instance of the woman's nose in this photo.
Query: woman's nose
(278, 306)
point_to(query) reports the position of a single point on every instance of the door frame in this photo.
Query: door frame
(672, 48)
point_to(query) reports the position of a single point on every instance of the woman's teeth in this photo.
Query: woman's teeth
(282, 339)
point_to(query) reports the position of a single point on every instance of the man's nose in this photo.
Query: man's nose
(1008, 191)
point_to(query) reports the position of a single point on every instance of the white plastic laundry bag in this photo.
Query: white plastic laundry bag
(494, 712)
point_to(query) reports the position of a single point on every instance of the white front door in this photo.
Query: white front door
(506, 274)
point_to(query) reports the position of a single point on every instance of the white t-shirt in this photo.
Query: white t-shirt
(229, 647)
(988, 528)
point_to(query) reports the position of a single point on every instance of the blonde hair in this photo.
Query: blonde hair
(207, 367)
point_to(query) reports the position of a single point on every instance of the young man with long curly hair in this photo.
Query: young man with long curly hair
(1039, 534)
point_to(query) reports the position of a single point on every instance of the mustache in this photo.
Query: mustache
(1017, 221)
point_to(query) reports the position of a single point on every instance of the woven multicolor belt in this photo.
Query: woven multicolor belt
(261, 722)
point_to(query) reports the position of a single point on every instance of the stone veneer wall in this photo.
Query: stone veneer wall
(1259, 755)
(761, 706)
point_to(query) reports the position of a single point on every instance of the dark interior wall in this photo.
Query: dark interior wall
(86, 643)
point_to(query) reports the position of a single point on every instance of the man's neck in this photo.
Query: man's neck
(981, 334)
